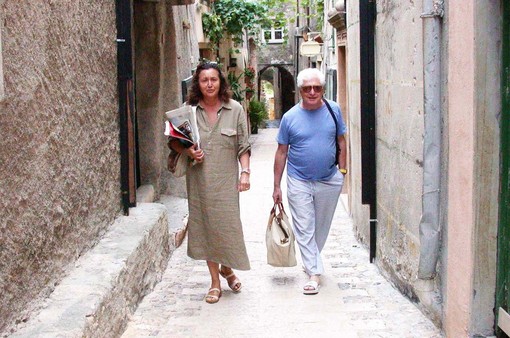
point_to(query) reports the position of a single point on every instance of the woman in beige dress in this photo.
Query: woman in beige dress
(215, 232)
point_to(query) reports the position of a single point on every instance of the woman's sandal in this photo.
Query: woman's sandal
(235, 285)
(212, 298)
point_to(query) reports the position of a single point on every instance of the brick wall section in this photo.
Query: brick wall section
(59, 150)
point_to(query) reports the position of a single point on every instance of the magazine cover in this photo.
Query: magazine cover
(182, 124)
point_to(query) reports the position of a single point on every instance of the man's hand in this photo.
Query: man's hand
(280, 159)
(277, 195)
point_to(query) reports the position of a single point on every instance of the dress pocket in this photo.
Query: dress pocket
(228, 138)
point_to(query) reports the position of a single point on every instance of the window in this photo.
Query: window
(331, 84)
(274, 35)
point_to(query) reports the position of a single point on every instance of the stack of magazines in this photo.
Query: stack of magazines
(182, 125)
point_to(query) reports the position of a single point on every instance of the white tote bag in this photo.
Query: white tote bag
(281, 251)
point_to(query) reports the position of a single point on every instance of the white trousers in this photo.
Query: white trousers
(312, 206)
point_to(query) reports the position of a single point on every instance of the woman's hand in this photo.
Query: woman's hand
(195, 153)
(244, 182)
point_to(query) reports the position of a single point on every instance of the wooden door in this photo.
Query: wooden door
(127, 113)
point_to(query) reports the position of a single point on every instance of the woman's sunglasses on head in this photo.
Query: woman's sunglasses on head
(207, 64)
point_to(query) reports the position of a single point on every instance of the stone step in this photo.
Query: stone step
(104, 288)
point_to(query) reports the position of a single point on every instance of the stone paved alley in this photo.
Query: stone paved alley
(354, 300)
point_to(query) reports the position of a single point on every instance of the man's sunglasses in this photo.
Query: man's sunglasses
(308, 89)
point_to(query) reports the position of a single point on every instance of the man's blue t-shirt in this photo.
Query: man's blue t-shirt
(311, 137)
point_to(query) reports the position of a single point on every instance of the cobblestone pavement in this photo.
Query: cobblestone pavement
(354, 300)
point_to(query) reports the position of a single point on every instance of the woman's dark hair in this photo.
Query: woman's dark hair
(194, 94)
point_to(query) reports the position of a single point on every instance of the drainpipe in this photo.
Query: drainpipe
(296, 44)
(430, 228)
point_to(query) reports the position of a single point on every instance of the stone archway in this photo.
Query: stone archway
(283, 84)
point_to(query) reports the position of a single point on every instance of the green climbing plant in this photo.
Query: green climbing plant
(234, 18)
(315, 12)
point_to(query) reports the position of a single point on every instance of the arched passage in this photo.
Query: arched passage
(283, 85)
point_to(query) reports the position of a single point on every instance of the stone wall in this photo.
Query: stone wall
(59, 150)
(464, 288)
(278, 53)
(282, 53)
(400, 122)
(399, 139)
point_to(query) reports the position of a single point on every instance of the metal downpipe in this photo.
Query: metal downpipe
(430, 227)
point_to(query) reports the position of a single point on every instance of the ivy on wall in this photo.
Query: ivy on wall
(315, 12)
(234, 18)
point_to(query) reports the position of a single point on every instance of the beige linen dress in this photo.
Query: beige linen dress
(215, 231)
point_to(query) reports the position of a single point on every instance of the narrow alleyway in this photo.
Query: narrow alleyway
(354, 301)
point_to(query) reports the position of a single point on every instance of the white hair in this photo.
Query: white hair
(309, 74)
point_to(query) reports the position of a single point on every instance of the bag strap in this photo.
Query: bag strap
(336, 130)
(280, 206)
(279, 221)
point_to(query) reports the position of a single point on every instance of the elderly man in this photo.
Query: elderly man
(311, 141)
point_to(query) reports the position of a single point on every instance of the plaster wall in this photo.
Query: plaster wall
(474, 105)
(160, 68)
(2, 90)
(461, 114)
(59, 150)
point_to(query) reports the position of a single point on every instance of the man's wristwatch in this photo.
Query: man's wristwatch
(343, 171)
(246, 170)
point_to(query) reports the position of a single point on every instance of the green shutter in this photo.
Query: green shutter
(503, 276)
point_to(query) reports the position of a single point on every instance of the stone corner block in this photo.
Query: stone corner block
(145, 194)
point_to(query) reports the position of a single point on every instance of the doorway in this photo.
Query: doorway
(277, 88)
(127, 112)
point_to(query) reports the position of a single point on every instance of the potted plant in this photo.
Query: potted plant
(258, 113)
(249, 93)
(249, 76)
(235, 86)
